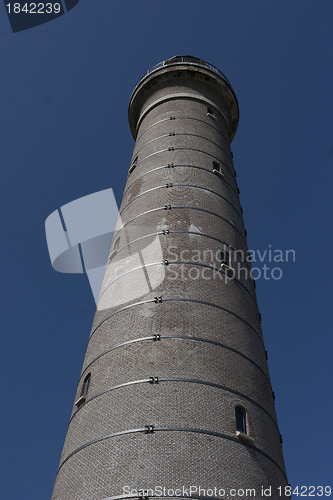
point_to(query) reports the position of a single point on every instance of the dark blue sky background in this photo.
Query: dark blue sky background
(65, 88)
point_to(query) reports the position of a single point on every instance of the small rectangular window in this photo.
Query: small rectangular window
(210, 113)
(224, 257)
(217, 169)
(240, 419)
(216, 166)
(225, 261)
(242, 431)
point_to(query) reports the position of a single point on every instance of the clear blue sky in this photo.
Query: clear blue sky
(65, 88)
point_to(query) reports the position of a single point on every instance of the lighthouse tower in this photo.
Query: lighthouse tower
(174, 398)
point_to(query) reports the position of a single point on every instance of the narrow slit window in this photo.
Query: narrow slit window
(84, 391)
(115, 249)
(85, 386)
(116, 244)
(134, 164)
(240, 415)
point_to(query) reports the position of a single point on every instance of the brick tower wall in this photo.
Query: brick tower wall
(176, 344)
